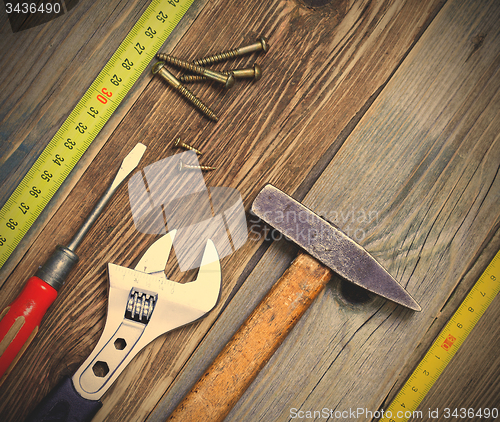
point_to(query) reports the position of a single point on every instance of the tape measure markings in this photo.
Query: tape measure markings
(86, 120)
(446, 345)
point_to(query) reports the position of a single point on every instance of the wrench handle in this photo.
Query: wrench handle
(232, 372)
(64, 404)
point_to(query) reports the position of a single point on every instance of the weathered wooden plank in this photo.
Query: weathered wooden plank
(324, 62)
(424, 160)
(41, 85)
(45, 70)
(425, 157)
(470, 381)
(461, 381)
(255, 342)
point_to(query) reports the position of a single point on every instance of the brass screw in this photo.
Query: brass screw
(179, 143)
(254, 72)
(260, 45)
(159, 68)
(184, 166)
(226, 79)
(192, 78)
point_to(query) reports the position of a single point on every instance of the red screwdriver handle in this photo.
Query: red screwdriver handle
(20, 320)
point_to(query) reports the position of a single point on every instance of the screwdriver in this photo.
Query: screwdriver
(20, 320)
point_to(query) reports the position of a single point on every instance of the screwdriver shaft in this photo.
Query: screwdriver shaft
(91, 218)
(129, 163)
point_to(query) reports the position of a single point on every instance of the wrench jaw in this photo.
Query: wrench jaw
(141, 307)
(155, 258)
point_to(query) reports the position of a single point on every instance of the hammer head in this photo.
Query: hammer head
(328, 244)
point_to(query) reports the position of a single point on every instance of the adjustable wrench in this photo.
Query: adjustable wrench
(142, 305)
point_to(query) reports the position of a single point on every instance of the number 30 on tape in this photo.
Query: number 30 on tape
(86, 120)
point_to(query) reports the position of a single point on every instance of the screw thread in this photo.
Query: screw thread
(181, 63)
(179, 143)
(220, 57)
(192, 78)
(183, 166)
(189, 147)
(254, 72)
(260, 45)
(207, 168)
(186, 93)
(226, 79)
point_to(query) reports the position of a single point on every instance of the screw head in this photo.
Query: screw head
(230, 81)
(257, 72)
(265, 45)
(157, 66)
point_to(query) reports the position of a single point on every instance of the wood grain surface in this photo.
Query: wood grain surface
(380, 115)
(255, 342)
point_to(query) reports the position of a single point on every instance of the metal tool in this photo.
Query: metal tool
(328, 244)
(143, 304)
(254, 72)
(20, 320)
(261, 334)
(178, 143)
(261, 45)
(224, 78)
(159, 68)
(184, 166)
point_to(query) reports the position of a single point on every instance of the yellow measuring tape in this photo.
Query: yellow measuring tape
(86, 120)
(444, 348)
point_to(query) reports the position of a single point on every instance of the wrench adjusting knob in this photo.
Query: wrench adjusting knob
(140, 305)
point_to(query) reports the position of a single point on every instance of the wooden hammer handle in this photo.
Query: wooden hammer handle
(225, 381)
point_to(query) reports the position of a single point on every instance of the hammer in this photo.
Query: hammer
(326, 249)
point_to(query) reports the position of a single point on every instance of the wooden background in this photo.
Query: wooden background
(383, 115)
